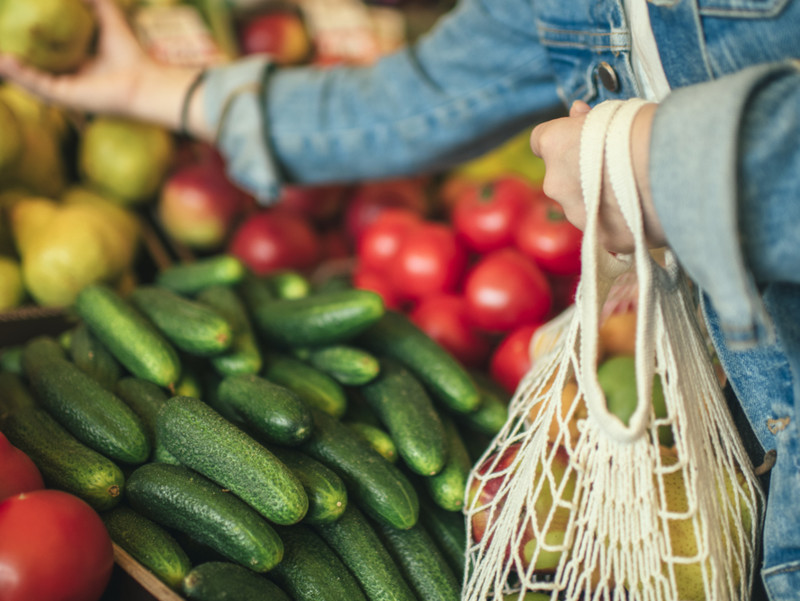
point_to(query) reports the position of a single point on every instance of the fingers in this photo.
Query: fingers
(579, 107)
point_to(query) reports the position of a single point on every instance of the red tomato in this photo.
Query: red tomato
(430, 260)
(366, 279)
(270, 240)
(370, 199)
(379, 242)
(486, 216)
(18, 472)
(545, 236)
(319, 204)
(444, 318)
(53, 547)
(511, 358)
(505, 290)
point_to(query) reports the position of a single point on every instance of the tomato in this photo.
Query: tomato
(430, 260)
(444, 318)
(485, 217)
(367, 279)
(270, 240)
(379, 242)
(505, 290)
(511, 358)
(319, 204)
(53, 547)
(18, 472)
(545, 236)
(370, 199)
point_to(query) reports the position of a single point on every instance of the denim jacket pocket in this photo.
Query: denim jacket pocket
(750, 9)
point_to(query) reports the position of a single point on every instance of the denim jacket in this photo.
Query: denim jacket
(725, 160)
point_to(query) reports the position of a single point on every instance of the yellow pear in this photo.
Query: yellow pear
(125, 160)
(27, 217)
(12, 291)
(10, 140)
(53, 35)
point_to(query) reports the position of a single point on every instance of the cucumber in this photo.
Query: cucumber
(375, 484)
(397, 337)
(128, 335)
(225, 581)
(95, 416)
(146, 399)
(65, 463)
(316, 388)
(348, 365)
(288, 283)
(421, 562)
(190, 278)
(448, 530)
(244, 355)
(311, 571)
(16, 394)
(319, 319)
(449, 487)
(274, 412)
(492, 412)
(403, 406)
(357, 544)
(11, 359)
(92, 357)
(255, 292)
(149, 544)
(375, 437)
(179, 498)
(200, 438)
(191, 326)
(327, 495)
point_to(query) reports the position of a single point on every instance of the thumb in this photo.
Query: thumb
(579, 107)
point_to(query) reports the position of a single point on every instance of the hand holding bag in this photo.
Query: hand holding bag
(574, 502)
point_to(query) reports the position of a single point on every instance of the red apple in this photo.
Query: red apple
(370, 199)
(280, 33)
(271, 240)
(483, 496)
(198, 205)
(320, 204)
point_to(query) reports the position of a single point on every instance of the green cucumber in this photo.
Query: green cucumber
(65, 463)
(131, 337)
(397, 337)
(375, 437)
(356, 543)
(91, 356)
(449, 487)
(288, 283)
(347, 364)
(225, 581)
(311, 571)
(146, 399)
(191, 326)
(95, 416)
(273, 411)
(448, 530)
(190, 278)
(319, 319)
(421, 562)
(148, 543)
(179, 498)
(11, 359)
(327, 495)
(255, 292)
(200, 438)
(16, 394)
(403, 406)
(244, 355)
(379, 487)
(492, 412)
(316, 388)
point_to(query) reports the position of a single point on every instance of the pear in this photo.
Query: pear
(12, 291)
(52, 35)
(125, 160)
(27, 217)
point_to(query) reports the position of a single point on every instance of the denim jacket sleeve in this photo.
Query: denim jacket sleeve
(478, 77)
(731, 146)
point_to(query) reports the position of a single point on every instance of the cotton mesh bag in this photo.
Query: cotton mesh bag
(572, 501)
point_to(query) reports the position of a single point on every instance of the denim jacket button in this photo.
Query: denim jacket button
(608, 77)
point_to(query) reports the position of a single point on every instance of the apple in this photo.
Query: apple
(280, 33)
(483, 496)
(320, 204)
(270, 240)
(198, 205)
(370, 199)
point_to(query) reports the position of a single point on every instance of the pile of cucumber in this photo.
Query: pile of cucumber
(253, 437)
